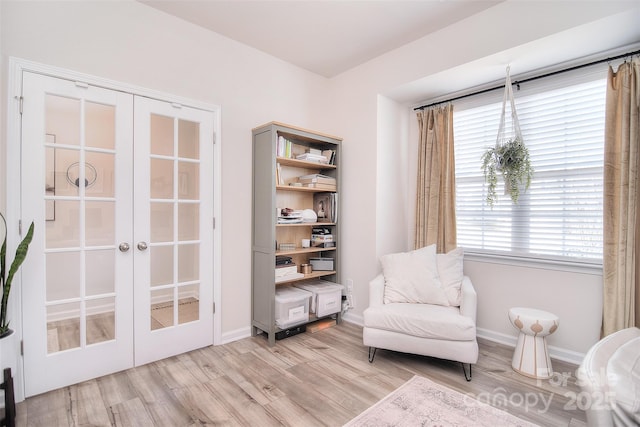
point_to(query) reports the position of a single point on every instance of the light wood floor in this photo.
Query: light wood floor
(319, 379)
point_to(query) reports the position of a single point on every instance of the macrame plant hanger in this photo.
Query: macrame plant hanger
(503, 136)
(509, 157)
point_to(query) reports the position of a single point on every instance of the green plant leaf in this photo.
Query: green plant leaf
(21, 254)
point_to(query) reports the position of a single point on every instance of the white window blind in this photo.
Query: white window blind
(560, 217)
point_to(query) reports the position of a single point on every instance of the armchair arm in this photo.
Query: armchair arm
(469, 299)
(376, 291)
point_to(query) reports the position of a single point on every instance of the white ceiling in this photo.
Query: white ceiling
(323, 36)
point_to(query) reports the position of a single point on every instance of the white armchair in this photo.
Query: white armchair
(445, 332)
(609, 379)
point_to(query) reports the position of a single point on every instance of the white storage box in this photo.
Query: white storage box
(326, 299)
(322, 264)
(292, 306)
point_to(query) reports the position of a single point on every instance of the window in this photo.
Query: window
(560, 217)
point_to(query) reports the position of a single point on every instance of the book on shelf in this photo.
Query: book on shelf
(317, 178)
(312, 158)
(330, 155)
(322, 241)
(288, 270)
(325, 206)
(285, 220)
(283, 147)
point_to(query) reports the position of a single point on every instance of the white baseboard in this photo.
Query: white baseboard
(509, 340)
(236, 335)
(353, 318)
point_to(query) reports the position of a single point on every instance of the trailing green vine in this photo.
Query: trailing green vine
(511, 160)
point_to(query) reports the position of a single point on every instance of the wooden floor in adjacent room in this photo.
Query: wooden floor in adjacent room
(319, 379)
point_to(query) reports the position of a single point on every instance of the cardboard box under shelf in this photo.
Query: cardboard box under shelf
(320, 325)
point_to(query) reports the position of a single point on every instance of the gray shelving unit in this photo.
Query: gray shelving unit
(272, 175)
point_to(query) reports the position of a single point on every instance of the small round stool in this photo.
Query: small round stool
(531, 356)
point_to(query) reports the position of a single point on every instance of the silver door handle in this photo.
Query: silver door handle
(124, 247)
(142, 246)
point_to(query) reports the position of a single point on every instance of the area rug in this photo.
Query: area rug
(421, 402)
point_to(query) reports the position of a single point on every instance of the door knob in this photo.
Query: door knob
(142, 246)
(124, 247)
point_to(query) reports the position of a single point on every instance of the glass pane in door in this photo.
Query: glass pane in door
(100, 125)
(188, 180)
(162, 308)
(188, 139)
(189, 306)
(63, 327)
(161, 179)
(101, 320)
(161, 142)
(62, 119)
(161, 222)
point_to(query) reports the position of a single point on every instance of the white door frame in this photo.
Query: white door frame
(10, 354)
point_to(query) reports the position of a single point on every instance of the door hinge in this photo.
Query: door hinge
(21, 348)
(21, 104)
(214, 223)
(20, 227)
(214, 308)
(215, 138)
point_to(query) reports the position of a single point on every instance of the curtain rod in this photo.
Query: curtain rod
(517, 82)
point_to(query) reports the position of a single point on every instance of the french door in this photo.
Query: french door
(119, 271)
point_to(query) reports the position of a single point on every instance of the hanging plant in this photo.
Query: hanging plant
(509, 157)
(511, 160)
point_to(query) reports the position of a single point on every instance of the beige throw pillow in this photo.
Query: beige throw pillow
(412, 277)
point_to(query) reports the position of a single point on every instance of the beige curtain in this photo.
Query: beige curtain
(621, 220)
(436, 200)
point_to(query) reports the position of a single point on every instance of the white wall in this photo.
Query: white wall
(395, 204)
(576, 297)
(129, 42)
(472, 52)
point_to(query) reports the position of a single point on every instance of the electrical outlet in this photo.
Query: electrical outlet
(351, 301)
(349, 285)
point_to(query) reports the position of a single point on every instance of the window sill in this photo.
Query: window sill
(583, 267)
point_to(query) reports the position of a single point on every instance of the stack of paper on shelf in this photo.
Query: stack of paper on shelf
(322, 241)
(317, 180)
(289, 216)
(310, 157)
(287, 271)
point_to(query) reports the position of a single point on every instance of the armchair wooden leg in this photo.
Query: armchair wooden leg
(466, 377)
(372, 354)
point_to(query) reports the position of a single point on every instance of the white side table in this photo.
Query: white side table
(531, 356)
